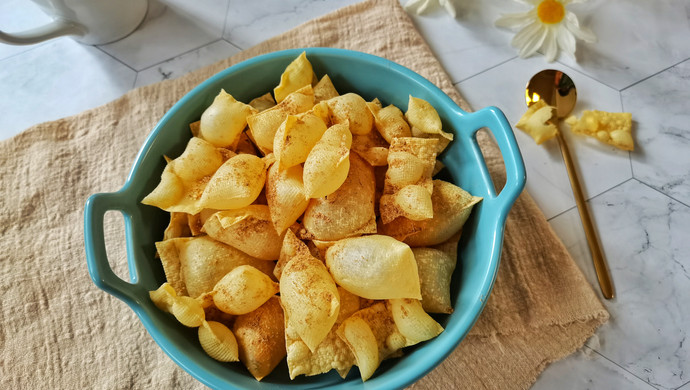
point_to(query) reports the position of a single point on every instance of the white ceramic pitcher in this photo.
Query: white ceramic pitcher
(92, 22)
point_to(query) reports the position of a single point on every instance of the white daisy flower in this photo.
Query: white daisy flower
(421, 6)
(548, 27)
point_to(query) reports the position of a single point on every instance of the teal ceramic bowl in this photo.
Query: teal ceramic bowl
(370, 76)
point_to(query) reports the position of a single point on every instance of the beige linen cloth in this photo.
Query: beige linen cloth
(59, 331)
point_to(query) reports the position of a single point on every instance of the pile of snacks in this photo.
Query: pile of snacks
(307, 225)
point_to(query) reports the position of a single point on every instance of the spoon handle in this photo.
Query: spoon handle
(598, 259)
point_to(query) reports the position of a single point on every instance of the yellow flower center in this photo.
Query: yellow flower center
(550, 11)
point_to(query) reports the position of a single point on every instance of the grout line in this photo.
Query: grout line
(589, 76)
(455, 84)
(225, 21)
(115, 58)
(683, 385)
(662, 193)
(234, 44)
(655, 74)
(180, 54)
(592, 197)
(621, 367)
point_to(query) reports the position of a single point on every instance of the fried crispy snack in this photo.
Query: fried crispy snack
(295, 138)
(292, 247)
(218, 341)
(261, 338)
(408, 185)
(351, 108)
(184, 179)
(263, 125)
(535, 122)
(331, 353)
(243, 290)
(248, 229)
(223, 121)
(297, 75)
(372, 148)
(365, 266)
(193, 266)
(452, 206)
(389, 122)
(613, 128)
(310, 300)
(347, 212)
(324, 90)
(328, 162)
(236, 183)
(285, 196)
(435, 269)
(425, 123)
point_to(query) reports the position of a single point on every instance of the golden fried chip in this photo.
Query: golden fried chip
(263, 102)
(452, 206)
(263, 125)
(331, 353)
(184, 179)
(328, 162)
(390, 123)
(194, 265)
(435, 271)
(295, 138)
(298, 74)
(178, 226)
(423, 116)
(310, 300)
(285, 196)
(353, 109)
(243, 290)
(236, 183)
(347, 212)
(324, 89)
(261, 338)
(248, 229)
(218, 341)
(186, 310)
(223, 121)
(613, 128)
(408, 185)
(372, 148)
(292, 247)
(535, 122)
(374, 267)
(412, 321)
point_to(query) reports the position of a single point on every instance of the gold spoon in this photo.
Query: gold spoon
(558, 90)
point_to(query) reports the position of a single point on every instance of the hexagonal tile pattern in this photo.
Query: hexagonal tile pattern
(252, 22)
(186, 63)
(470, 35)
(196, 24)
(662, 159)
(588, 370)
(644, 237)
(636, 39)
(600, 166)
(59, 78)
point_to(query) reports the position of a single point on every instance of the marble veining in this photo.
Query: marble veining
(640, 201)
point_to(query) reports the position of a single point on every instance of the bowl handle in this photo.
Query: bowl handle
(96, 256)
(494, 119)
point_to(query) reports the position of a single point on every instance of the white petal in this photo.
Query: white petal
(566, 41)
(417, 6)
(573, 25)
(515, 21)
(550, 50)
(529, 39)
(448, 5)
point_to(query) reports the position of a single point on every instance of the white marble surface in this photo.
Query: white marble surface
(640, 201)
